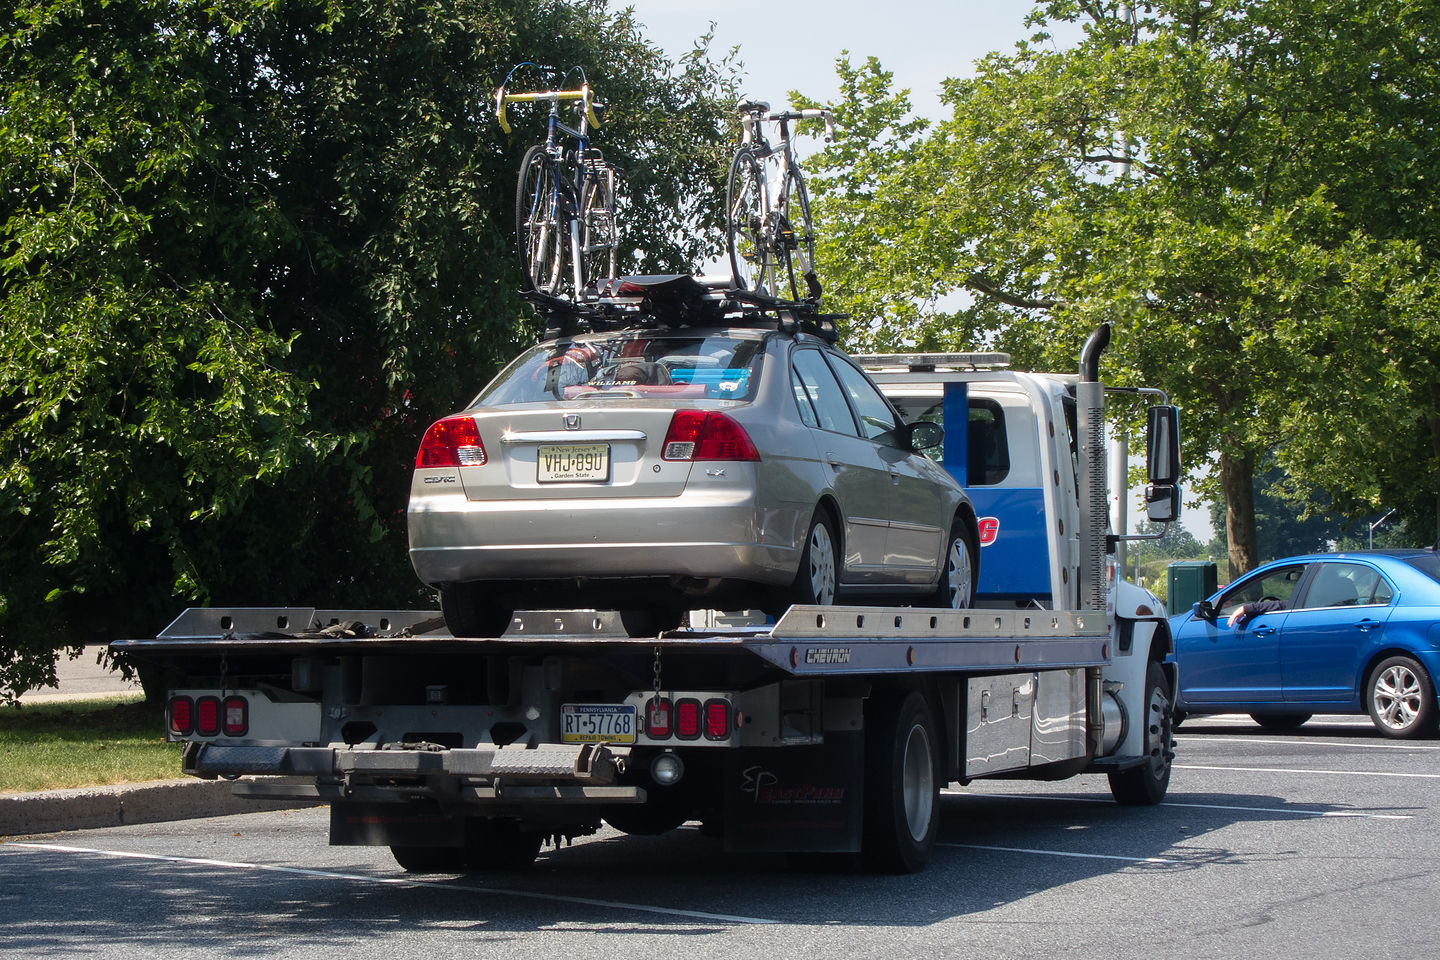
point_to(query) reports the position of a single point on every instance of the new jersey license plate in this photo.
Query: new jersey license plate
(571, 462)
(597, 723)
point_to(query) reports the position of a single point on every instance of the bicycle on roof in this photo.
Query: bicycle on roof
(767, 211)
(564, 198)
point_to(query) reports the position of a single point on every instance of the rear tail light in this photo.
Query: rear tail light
(207, 716)
(707, 435)
(181, 711)
(657, 718)
(687, 719)
(452, 442)
(237, 716)
(717, 720)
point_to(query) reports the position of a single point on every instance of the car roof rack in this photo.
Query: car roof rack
(677, 300)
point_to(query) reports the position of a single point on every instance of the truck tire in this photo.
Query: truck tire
(429, 859)
(902, 783)
(1146, 784)
(498, 844)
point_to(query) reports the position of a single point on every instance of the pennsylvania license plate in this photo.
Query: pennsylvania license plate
(571, 462)
(597, 723)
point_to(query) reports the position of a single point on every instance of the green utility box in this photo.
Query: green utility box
(1189, 582)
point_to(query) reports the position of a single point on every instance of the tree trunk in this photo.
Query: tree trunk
(1237, 482)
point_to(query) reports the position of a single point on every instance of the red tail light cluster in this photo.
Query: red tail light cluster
(688, 719)
(208, 716)
(707, 435)
(452, 442)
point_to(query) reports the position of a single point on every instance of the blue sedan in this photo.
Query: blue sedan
(1351, 633)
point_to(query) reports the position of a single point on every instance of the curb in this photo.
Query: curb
(83, 808)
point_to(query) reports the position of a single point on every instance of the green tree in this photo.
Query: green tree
(1244, 190)
(251, 249)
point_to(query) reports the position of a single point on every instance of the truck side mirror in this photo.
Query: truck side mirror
(1162, 446)
(1162, 503)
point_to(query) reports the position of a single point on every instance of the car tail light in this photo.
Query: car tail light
(717, 719)
(657, 718)
(687, 719)
(181, 711)
(452, 442)
(237, 716)
(707, 435)
(207, 716)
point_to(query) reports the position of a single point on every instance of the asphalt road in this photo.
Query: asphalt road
(1319, 844)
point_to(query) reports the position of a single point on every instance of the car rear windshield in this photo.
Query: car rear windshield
(1428, 565)
(630, 364)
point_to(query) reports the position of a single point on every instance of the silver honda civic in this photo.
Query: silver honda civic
(656, 471)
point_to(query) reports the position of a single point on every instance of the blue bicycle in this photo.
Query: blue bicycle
(564, 198)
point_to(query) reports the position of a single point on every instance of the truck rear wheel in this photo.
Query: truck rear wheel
(496, 844)
(1146, 784)
(429, 859)
(902, 783)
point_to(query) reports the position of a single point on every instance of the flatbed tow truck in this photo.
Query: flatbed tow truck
(828, 731)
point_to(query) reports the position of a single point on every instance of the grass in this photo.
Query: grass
(83, 743)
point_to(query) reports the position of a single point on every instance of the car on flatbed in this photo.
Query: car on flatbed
(660, 469)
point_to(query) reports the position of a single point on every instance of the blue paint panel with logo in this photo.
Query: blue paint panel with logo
(1015, 564)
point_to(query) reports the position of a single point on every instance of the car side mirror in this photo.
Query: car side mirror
(1204, 610)
(924, 434)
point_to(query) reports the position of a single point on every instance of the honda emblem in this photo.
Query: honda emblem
(572, 421)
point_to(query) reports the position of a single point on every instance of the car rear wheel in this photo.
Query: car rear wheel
(1401, 698)
(472, 611)
(818, 577)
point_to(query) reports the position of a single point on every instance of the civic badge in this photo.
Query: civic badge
(572, 421)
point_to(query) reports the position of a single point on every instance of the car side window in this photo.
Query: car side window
(1278, 583)
(824, 392)
(802, 401)
(1341, 584)
(878, 421)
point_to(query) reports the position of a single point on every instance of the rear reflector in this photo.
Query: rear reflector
(452, 442)
(181, 711)
(687, 719)
(237, 716)
(702, 435)
(207, 716)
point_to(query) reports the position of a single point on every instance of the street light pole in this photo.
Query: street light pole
(1377, 523)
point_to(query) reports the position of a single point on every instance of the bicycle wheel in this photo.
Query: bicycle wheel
(798, 250)
(539, 222)
(599, 238)
(748, 237)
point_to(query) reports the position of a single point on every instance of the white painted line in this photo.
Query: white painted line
(1059, 853)
(1323, 773)
(1360, 814)
(397, 881)
(1301, 741)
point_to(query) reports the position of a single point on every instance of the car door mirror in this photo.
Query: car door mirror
(924, 434)
(1204, 610)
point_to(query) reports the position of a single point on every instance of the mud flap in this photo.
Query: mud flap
(796, 799)
(394, 824)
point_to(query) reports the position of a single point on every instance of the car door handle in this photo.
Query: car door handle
(832, 458)
(894, 479)
(1263, 631)
(1367, 625)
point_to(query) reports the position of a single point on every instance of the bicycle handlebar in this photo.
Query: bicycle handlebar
(547, 96)
(754, 112)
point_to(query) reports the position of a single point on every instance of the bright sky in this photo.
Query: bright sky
(793, 45)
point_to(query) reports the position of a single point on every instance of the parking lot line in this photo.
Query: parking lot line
(1329, 773)
(395, 881)
(1199, 806)
(1293, 741)
(1058, 853)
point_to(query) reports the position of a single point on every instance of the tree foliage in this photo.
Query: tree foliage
(250, 250)
(1245, 191)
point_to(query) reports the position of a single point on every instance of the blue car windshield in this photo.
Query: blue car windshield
(1428, 565)
(630, 364)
